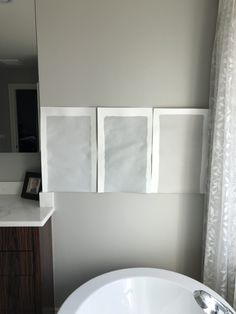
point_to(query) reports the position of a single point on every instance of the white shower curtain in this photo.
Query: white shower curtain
(220, 250)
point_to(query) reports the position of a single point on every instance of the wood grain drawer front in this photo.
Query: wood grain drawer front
(16, 239)
(16, 263)
(16, 294)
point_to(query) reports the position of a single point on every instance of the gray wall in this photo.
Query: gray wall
(14, 165)
(96, 233)
(124, 53)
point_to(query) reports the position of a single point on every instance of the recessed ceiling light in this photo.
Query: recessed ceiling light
(11, 61)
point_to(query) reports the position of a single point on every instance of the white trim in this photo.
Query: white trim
(156, 143)
(46, 199)
(43, 136)
(13, 112)
(122, 112)
(39, 118)
(67, 112)
(204, 153)
(155, 151)
(11, 188)
(101, 150)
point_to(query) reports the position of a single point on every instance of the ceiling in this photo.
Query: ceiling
(17, 31)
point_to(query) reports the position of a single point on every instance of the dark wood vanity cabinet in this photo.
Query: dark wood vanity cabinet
(26, 272)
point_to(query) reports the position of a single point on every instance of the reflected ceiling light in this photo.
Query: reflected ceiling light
(11, 61)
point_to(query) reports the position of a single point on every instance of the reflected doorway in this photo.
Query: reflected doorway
(24, 117)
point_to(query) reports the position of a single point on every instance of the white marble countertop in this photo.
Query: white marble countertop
(18, 212)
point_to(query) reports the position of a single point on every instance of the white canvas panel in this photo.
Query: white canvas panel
(124, 146)
(179, 150)
(69, 149)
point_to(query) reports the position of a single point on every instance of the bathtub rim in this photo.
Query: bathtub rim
(86, 290)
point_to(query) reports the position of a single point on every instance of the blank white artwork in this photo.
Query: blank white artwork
(179, 150)
(68, 143)
(124, 149)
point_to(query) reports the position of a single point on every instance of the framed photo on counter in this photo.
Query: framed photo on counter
(32, 186)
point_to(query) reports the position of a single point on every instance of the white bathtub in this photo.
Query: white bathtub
(137, 291)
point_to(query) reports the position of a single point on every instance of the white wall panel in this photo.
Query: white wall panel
(124, 149)
(68, 149)
(179, 150)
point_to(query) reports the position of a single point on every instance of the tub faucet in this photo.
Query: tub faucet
(209, 304)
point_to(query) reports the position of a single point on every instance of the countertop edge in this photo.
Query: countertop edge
(24, 223)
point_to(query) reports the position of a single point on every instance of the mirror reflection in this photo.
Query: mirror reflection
(19, 128)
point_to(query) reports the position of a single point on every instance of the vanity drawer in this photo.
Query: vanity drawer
(16, 239)
(16, 263)
(16, 294)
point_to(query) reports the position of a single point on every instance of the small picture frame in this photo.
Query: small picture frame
(32, 186)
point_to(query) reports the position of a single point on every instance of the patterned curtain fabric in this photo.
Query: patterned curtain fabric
(220, 250)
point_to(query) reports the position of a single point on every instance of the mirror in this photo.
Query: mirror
(19, 114)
